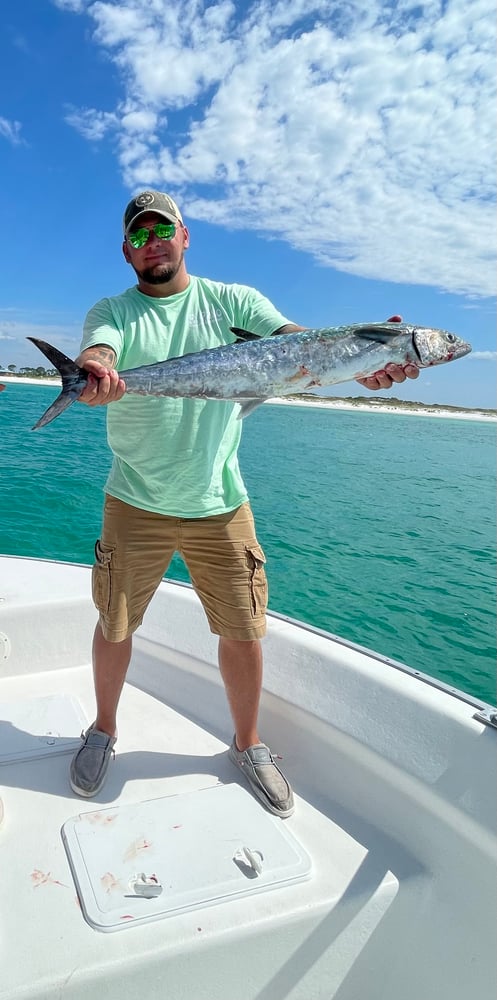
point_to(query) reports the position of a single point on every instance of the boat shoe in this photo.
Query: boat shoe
(89, 764)
(264, 777)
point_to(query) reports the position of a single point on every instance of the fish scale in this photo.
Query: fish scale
(253, 369)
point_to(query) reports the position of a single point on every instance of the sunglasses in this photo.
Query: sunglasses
(163, 230)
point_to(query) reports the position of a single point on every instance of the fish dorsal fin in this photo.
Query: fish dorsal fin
(243, 335)
(379, 333)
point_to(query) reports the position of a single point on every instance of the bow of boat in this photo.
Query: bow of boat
(379, 886)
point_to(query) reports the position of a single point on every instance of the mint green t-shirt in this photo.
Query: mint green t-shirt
(176, 456)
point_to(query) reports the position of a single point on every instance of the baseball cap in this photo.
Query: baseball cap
(151, 201)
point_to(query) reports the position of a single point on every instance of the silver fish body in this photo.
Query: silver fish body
(252, 369)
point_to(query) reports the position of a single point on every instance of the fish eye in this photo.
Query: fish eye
(451, 337)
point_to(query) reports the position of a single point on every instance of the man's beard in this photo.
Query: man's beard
(159, 274)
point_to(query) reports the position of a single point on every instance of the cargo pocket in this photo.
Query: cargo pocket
(258, 582)
(101, 578)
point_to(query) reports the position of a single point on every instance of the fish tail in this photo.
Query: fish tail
(73, 378)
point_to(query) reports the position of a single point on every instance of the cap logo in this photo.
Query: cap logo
(144, 199)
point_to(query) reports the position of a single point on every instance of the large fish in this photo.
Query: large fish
(253, 369)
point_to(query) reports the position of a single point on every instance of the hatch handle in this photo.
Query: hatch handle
(249, 861)
(146, 886)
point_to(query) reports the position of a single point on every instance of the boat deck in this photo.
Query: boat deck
(372, 831)
(163, 752)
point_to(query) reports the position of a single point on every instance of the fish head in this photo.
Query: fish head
(437, 347)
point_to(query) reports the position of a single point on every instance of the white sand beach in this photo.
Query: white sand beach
(385, 407)
(24, 380)
(321, 403)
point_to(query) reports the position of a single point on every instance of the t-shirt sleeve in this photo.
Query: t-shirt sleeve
(255, 313)
(102, 327)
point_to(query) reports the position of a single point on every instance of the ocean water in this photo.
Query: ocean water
(377, 527)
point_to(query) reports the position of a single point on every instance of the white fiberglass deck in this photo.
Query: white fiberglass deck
(395, 807)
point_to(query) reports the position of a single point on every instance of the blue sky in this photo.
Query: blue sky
(338, 156)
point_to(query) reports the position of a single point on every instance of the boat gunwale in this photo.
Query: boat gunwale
(486, 709)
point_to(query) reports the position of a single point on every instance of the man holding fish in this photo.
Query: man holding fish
(175, 485)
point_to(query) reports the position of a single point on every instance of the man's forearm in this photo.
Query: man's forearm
(102, 353)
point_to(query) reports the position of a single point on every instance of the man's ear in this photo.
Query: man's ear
(126, 252)
(186, 242)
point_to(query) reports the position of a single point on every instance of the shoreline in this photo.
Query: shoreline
(321, 404)
(25, 380)
(425, 411)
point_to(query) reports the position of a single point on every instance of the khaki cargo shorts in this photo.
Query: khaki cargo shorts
(222, 554)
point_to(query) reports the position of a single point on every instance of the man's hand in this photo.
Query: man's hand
(104, 385)
(385, 378)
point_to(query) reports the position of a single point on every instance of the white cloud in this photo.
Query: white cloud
(92, 124)
(361, 133)
(10, 130)
(483, 356)
(75, 6)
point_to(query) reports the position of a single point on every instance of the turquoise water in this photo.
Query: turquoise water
(377, 527)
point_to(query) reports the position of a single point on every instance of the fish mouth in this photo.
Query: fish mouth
(460, 351)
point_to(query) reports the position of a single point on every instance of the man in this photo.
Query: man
(175, 485)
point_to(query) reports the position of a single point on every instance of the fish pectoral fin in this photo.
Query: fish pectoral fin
(248, 406)
(381, 334)
(243, 335)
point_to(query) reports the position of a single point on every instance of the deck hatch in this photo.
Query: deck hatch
(190, 843)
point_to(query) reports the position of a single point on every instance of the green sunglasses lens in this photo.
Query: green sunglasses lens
(138, 238)
(163, 230)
